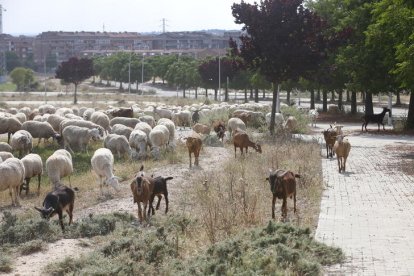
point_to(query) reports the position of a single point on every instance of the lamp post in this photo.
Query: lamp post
(129, 72)
(142, 73)
(219, 76)
(44, 67)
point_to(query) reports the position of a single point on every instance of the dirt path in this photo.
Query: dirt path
(210, 159)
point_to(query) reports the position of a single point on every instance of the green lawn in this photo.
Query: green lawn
(8, 86)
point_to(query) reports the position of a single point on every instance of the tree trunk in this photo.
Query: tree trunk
(206, 93)
(398, 102)
(256, 95)
(353, 102)
(348, 99)
(318, 96)
(312, 99)
(75, 95)
(245, 96)
(184, 92)
(196, 92)
(288, 96)
(363, 97)
(369, 108)
(120, 86)
(410, 116)
(340, 106)
(251, 93)
(226, 94)
(332, 96)
(264, 93)
(272, 115)
(324, 100)
(215, 94)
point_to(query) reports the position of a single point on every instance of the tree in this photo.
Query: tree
(75, 71)
(12, 61)
(23, 78)
(183, 74)
(283, 40)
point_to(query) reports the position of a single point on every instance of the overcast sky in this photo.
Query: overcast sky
(36, 16)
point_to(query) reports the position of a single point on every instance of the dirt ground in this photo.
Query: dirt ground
(210, 160)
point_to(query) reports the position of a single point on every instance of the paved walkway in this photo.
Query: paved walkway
(368, 211)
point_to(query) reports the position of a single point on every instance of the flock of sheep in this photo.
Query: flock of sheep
(135, 133)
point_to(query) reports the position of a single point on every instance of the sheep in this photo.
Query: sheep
(235, 123)
(121, 130)
(73, 117)
(183, 118)
(122, 112)
(4, 155)
(129, 122)
(145, 127)
(55, 120)
(21, 117)
(41, 118)
(57, 201)
(171, 129)
(194, 143)
(101, 119)
(330, 137)
(59, 165)
(279, 119)
(244, 116)
(138, 141)
(160, 189)
(375, 118)
(201, 129)
(241, 140)
(159, 137)
(283, 185)
(102, 163)
(313, 115)
(142, 188)
(41, 130)
(291, 123)
(12, 176)
(342, 148)
(33, 166)
(86, 115)
(9, 125)
(26, 110)
(118, 144)
(80, 123)
(147, 119)
(5, 147)
(63, 111)
(77, 138)
(47, 109)
(164, 113)
(82, 111)
(22, 141)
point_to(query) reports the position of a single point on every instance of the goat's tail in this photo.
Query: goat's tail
(76, 189)
(297, 175)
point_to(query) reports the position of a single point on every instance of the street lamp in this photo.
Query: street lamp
(129, 72)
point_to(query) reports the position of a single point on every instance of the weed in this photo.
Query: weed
(5, 264)
(31, 247)
(301, 117)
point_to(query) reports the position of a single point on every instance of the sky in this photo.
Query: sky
(36, 16)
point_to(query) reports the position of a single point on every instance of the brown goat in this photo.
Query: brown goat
(241, 140)
(194, 144)
(283, 185)
(245, 117)
(330, 137)
(200, 128)
(142, 188)
(122, 112)
(220, 129)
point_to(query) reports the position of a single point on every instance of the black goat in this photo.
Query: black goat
(375, 118)
(160, 189)
(195, 117)
(61, 199)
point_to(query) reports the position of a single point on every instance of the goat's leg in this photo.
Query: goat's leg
(39, 178)
(339, 162)
(159, 202)
(383, 126)
(16, 195)
(284, 207)
(61, 220)
(189, 154)
(235, 150)
(166, 201)
(273, 206)
(294, 202)
(139, 212)
(11, 195)
(344, 164)
(151, 208)
(144, 206)
(70, 213)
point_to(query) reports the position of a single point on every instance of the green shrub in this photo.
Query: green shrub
(5, 264)
(302, 118)
(31, 247)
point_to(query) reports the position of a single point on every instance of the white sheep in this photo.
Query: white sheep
(33, 166)
(41, 118)
(55, 120)
(21, 117)
(102, 164)
(171, 129)
(59, 165)
(117, 144)
(12, 110)
(22, 141)
(148, 119)
(100, 118)
(41, 130)
(235, 123)
(145, 127)
(313, 115)
(129, 122)
(122, 130)
(291, 123)
(164, 113)
(12, 176)
(77, 138)
(4, 155)
(159, 137)
(62, 111)
(88, 113)
(5, 147)
(26, 110)
(183, 118)
(9, 125)
(279, 119)
(73, 116)
(81, 123)
(47, 109)
(138, 140)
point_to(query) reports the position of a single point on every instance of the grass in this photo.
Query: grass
(32, 247)
(8, 86)
(5, 264)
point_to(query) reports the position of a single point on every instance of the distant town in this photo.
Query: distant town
(48, 49)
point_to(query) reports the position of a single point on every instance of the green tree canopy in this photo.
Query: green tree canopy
(23, 78)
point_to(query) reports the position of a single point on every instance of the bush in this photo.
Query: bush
(301, 117)
(5, 264)
(31, 247)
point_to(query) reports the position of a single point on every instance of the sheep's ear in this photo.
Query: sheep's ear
(142, 168)
(38, 209)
